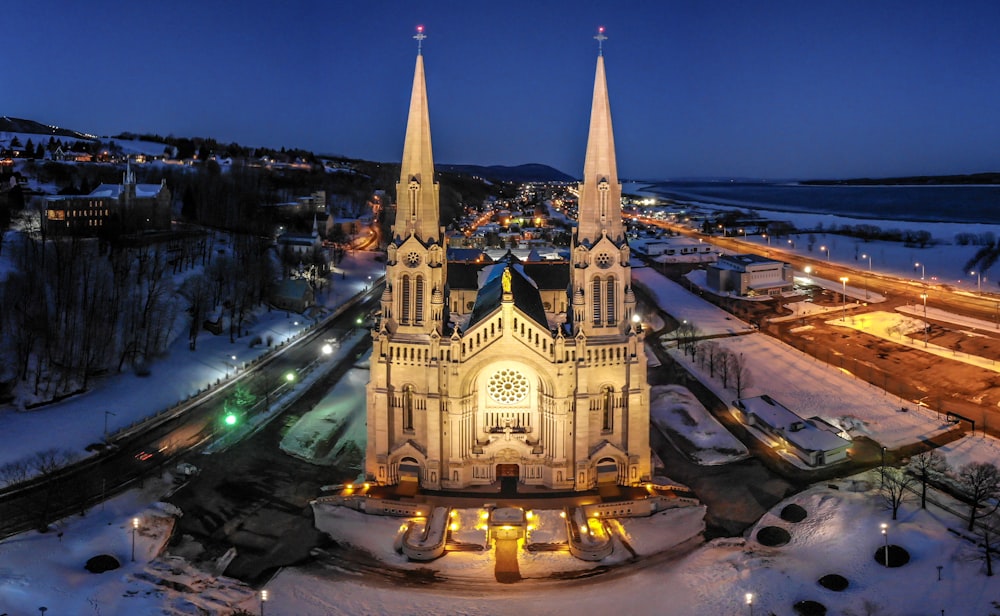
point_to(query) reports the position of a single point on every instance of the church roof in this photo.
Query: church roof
(522, 288)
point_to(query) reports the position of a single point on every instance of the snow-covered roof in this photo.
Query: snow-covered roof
(802, 433)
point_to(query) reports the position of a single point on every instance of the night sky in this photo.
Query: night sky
(724, 89)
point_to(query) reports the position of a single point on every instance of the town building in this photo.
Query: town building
(110, 209)
(749, 275)
(814, 441)
(533, 373)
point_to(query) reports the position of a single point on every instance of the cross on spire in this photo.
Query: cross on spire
(601, 37)
(420, 36)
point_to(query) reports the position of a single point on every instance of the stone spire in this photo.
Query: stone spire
(417, 210)
(600, 192)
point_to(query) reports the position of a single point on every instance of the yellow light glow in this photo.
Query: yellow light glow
(484, 515)
(452, 513)
(453, 527)
(529, 514)
(562, 514)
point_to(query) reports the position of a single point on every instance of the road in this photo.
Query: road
(75, 488)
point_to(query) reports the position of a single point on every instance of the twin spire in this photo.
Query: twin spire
(417, 210)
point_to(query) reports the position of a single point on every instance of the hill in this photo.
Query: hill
(916, 180)
(30, 127)
(531, 172)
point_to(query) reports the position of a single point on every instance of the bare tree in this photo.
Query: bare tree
(981, 482)
(687, 334)
(922, 465)
(740, 371)
(895, 488)
(725, 367)
(712, 356)
(987, 532)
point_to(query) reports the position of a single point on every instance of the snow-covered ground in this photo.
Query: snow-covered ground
(123, 399)
(839, 536)
(674, 409)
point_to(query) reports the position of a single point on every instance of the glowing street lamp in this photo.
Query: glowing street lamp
(843, 281)
(290, 377)
(923, 269)
(327, 349)
(869, 257)
(135, 527)
(749, 598)
(826, 250)
(979, 281)
(263, 600)
(923, 296)
(885, 535)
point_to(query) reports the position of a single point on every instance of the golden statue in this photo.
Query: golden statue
(505, 280)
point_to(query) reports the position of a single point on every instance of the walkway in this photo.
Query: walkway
(507, 571)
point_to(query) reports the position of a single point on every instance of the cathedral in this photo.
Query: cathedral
(542, 376)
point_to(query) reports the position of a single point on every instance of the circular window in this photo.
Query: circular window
(508, 387)
(412, 259)
(603, 260)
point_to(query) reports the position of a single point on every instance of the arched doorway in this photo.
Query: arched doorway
(409, 476)
(607, 471)
(508, 475)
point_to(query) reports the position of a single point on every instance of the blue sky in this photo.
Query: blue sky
(745, 89)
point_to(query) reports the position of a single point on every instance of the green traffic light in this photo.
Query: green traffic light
(230, 419)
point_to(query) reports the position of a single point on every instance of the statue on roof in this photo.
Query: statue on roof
(505, 281)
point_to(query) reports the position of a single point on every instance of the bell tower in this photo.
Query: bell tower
(600, 288)
(416, 272)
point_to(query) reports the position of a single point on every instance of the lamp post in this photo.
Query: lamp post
(263, 600)
(923, 269)
(923, 296)
(843, 281)
(826, 250)
(979, 282)
(869, 257)
(767, 237)
(749, 598)
(885, 535)
(135, 527)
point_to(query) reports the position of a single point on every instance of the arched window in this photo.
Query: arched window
(419, 309)
(408, 407)
(404, 312)
(596, 299)
(607, 408)
(609, 311)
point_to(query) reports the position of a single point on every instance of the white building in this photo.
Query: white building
(812, 440)
(749, 275)
(546, 387)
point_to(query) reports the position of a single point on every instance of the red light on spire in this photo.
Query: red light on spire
(601, 29)
(421, 28)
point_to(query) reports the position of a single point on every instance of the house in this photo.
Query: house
(813, 440)
(749, 275)
(292, 295)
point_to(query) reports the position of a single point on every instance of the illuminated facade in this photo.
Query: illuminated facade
(549, 389)
(110, 209)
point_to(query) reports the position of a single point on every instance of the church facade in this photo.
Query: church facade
(543, 379)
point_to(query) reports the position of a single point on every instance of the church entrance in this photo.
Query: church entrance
(508, 475)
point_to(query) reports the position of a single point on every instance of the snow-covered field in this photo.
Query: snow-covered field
(675, 409)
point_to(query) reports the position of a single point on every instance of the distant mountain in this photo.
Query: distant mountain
(916, 180)
(532, 172)
(19, 125)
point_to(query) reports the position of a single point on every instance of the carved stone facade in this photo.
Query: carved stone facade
(513, 386)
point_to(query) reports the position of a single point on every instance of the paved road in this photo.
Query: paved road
(76, 488)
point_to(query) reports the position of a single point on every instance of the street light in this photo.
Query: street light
(263, 600)
(749, 597)
(843, 280)
(923, 296)
(923, 269)
(979, 281)
(885, 535)
(135, 527)
(827, 250)
(327, 349)
(869, 257)
(290, 377)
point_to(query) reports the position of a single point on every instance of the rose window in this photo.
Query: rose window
(412, 259)
(508, 387)
(603, 260)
